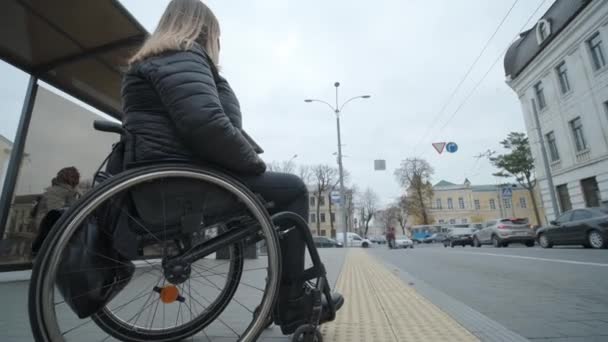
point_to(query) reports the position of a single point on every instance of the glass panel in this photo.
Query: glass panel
(12, 92)
(46, 153)
(591, 192)
(564, 197)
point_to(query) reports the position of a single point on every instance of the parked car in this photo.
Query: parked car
(419, 237)
(354, 240)
(380, 240)
(502, 232)
(437, 237)
(403, 241)
(324, 242)
(587, 227)
(459, 237)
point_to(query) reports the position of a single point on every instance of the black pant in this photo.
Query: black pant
(288, 193)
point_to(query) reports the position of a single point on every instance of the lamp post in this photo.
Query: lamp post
(337, 111)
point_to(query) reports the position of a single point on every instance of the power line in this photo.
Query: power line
(467, 73)
(470, 94)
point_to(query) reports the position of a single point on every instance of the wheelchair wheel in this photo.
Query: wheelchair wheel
(187, 231)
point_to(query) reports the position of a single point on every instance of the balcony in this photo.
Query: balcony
(583, 156)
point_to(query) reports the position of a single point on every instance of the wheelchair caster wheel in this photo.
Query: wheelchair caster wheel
(307, 333)
(268, 321)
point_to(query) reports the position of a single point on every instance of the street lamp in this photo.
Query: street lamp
(337, 110)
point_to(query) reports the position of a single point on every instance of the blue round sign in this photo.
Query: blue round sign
(451, 147)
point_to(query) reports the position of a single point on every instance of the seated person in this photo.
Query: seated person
(179, 107)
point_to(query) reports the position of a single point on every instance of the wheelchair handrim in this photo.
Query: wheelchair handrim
(92, 200)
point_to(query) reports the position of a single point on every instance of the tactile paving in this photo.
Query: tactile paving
(381, 307)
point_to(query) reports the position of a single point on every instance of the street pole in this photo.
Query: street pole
(548, 174)
(337, 111)
(341, 170)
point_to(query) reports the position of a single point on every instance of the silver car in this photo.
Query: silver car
(502, 232)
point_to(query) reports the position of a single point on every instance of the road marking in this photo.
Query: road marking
(539, 259)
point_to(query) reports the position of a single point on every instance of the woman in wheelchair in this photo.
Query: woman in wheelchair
(182, 127)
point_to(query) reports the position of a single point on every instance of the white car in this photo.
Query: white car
(354, 240)
(403, 242)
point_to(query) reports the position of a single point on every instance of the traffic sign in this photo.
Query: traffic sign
(379, 165)
(507, 192)
(335, 197)
(451, 147)
(439, 147)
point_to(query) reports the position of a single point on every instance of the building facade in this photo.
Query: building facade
(559, 71)
(327, 221)
(467, 203)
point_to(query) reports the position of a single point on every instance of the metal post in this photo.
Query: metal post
(341, 171)
(548, 174)
(14, 164)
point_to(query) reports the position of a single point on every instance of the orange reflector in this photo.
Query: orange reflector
(169, 294)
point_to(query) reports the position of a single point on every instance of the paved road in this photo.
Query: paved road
(559, 294)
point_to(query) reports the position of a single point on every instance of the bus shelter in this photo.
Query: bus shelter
(78, 47)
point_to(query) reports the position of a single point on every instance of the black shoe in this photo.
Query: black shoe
(298, 311)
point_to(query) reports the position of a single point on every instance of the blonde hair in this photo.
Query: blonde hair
(184, 23)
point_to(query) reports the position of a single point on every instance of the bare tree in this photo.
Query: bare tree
(414, 176)
(324, 177)
(387, 217)
(368, 203)
(286, 166)
(401, 212)
(305, 173)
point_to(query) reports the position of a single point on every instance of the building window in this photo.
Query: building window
(477, 205)
(333, 217)
(564, 197)
(576, 126)
(606, 108)
(540, 95)
(543, 30)
(553, 152)
(452, 221)
(323, 233)
(322, 217)
(492, 204)
(591, 192)
(450, 204)
(442, 221)
(597, 51)
(461, 203)
(522, 203)
(313, 218)
(312, 201)
(562, 75)
(321, 200)
(507, 203)
(438, 203)
(465, 221)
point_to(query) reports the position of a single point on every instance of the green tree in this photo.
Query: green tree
(518, 163)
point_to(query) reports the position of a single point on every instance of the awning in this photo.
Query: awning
(79, 47)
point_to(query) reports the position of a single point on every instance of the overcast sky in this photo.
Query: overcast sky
(409, 55)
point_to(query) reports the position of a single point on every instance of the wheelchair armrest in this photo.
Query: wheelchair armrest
(108, 127)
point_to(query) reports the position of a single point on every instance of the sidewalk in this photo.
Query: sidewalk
(381, 307)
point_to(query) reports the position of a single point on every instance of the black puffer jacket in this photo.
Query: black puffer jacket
(177, 106)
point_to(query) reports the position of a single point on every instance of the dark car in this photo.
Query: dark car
(324, 242)
(587, 227)
(459, 237)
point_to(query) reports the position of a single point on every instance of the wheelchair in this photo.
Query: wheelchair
(181, 233)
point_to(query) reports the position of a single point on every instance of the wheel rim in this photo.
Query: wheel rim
(596, 240)
(44, 299)
(544, 242)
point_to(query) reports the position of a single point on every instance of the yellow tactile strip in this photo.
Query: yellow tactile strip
(381, 307)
